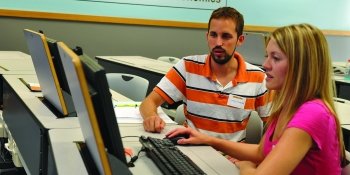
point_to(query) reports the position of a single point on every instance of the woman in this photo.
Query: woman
(303, 134)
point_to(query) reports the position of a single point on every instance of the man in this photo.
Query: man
(219, 90)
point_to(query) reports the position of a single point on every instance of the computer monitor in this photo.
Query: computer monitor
(89, 88)
(47, 75)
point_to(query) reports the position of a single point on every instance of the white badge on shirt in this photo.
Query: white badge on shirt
(236, 101)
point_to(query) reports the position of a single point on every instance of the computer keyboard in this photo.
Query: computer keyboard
(168, 158)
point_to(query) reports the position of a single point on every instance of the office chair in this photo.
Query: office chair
(254, 128)
(169, 59)
(180, 115)
(131, 86)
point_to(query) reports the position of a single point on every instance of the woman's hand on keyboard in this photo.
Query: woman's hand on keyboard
(194, 137)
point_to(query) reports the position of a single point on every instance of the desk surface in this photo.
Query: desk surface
(13, 55)
(66, 155)
(16, 62)
(62, 145)
(17, 72)
(208, 159)
(23, 64)
(119, 97)
(149, 64)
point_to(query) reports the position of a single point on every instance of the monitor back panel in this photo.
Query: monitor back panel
(84, 107)
(44, 69)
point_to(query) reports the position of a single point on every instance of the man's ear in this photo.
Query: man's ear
(240, 40)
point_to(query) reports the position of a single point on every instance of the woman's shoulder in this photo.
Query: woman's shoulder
(314, 106)
(313, 110)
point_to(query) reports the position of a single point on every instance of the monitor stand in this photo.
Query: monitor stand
(58, 114)
(116, 165)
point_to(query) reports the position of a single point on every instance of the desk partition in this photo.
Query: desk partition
(29, 121)
(343, 87)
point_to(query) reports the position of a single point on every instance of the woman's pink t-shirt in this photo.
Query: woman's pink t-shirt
(323, 158)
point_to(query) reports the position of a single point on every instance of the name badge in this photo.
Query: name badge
(236, 101)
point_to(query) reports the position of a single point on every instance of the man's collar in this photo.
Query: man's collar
(241, 75)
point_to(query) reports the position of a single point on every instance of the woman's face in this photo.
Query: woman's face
(276, 66)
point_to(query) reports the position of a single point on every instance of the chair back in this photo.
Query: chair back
(254, 128)
(180, 115)
(131, 86)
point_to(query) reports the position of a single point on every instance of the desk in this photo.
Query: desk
(14, 62)
(62, 145)
(118, 97)
(29, 121)
(12, 72)
(13, 55)
(68, 160)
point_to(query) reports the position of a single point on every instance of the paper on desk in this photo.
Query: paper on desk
(128, 114)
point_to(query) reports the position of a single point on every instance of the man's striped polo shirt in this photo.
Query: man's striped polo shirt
(209, 107)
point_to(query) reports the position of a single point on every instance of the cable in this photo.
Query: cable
(133, 159)
(129, 136)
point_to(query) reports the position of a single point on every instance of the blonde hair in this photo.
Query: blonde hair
(309, 74)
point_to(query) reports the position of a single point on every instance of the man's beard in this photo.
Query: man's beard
(221, 60)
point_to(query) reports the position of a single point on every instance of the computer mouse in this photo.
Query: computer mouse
(178, 137)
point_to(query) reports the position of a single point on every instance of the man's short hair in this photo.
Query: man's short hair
(229, 13)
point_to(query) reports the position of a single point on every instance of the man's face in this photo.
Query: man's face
(222, 39)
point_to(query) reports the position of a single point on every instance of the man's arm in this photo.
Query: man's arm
(148, 109)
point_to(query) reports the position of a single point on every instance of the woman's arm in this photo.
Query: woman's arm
(284, 157)
(240, 151)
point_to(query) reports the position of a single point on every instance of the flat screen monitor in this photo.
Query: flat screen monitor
(46, 73)
(90, 92)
